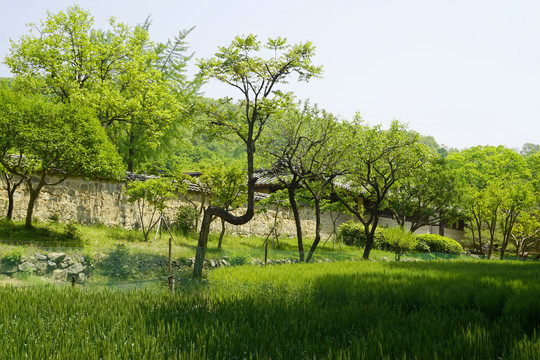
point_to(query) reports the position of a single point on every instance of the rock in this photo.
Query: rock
(212, 263)
(51, 265)
(225, 262)
(27, 266)
(69, 261)
(41, 266)
(384, 259)
(60, 275)
(8, 269)
(63, 265)
(82, 276)
(40, 257)
(75, 269)
(56, 257)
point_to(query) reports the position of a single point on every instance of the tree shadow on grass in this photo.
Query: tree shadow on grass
(43, 235)
(392, 310)
(121, 264)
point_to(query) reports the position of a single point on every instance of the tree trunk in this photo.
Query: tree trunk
(11, 201)
(294, 207)
(221, 234)
(34, 193)
(317, 231)
(370, 236)
(212, 211)
(11, 187)
(201, 246)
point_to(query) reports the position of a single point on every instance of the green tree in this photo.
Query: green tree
(526, 231)
(376, 159)
(306, 149)
(428, 196)
(225, 186)
(9, 103)
(115, 73)
(400, 240)
(51, 141)
(518, 197)
(530, 149)
(486, 173)
(241, 67)
(151, 196)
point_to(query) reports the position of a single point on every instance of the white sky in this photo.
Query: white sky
(464, 71)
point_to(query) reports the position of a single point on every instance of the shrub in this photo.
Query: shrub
(12, 258)
(438, 243)
(185, 219)
(352, 234)
(399, 240)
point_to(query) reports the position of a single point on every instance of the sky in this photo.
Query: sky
(465, 72)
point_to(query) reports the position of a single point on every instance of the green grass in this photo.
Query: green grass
(98, 238)
(446, 308)
(342, 310)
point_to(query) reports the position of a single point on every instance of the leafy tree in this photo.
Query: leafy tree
(335, 209)
(226, 187)
(51, 141)
(427, 197)
(115, 73)
(400, 240)
(486, 172)
(8, 107)
(150, 195)
(376, 160)
(526, 231)
(306, 149)
(278, 199)
(11, 183)
(240, 67)
(530, 149)
(518, 197)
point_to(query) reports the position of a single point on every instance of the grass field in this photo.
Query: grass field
(341, 310)
(346, 309)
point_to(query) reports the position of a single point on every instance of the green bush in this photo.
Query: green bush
(438, 243)
(399, 240)
(351, 233)
(185, 219)
(12, 258)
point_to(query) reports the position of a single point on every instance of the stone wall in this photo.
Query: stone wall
(103, 202)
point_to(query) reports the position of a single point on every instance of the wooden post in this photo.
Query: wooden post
(170, 255)
(73, 281)
(265, 253)
(171, 283)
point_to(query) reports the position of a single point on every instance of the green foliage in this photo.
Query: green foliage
(352, 233)
(225, 184)
(377, 159)
(185, 219)
(151, 197)
(399, 240)
(12, 258)
(118, 75)
(426, 196)
(438, 243)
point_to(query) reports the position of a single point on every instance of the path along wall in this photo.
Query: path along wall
(103, 202)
